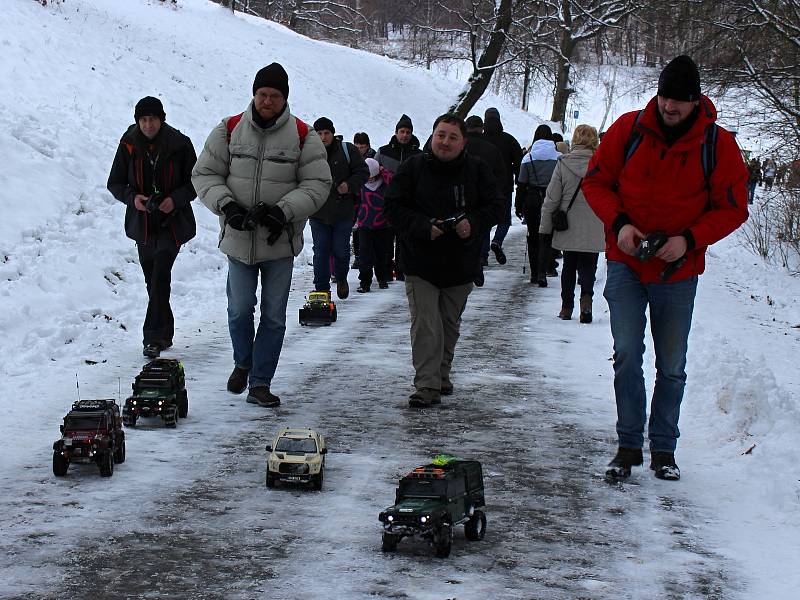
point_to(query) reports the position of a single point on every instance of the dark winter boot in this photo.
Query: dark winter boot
(586, 309)
(499, 255)
(446, 388)
(424, 397)
(342, 289)
(566, 313)
(620, 466)
(663, 463)
(151, 351)
(261, 395)
(237, 382)
(479, 279)
(363, 288)
(384, 285)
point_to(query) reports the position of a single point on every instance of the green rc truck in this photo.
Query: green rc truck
(158, 391)
(432, 499)
(91, 433)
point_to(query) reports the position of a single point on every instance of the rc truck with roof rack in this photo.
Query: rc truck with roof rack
(318, 309)
(91, 433)
(297, 455)
(158, 391)
(433, 499)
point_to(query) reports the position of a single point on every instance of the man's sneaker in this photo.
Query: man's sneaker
(499, 255)
(384, 285)
(424, 397)
(342, 289)
(237, 382)
(152, 351)
(479, 279)
(620, 466)
(263, 397)
(663, 463)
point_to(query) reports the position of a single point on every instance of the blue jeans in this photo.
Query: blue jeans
(671, 306)
(330, 240)
(258, 351)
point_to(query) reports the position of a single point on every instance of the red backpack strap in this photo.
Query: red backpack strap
(232, 123)
(302, 131)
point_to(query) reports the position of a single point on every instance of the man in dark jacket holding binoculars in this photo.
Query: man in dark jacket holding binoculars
(151, 175)
(441, 203)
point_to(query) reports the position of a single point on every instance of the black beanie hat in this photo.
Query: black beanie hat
(149, 107)
(491, 113)
(474, 122)
(405, 121)
(324, 123)
(680, 80)
(272, 76)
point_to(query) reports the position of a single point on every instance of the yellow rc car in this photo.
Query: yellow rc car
(318, 309)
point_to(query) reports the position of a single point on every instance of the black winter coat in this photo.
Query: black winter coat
(478, 146)
(426, 188)
(392, 155)
(169, 171)
(341, 207)
(510, 149)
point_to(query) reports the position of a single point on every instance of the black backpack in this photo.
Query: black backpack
(708, 151)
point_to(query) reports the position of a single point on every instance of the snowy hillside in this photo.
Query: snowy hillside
(72, 301)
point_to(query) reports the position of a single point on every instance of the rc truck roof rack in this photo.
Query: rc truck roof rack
(92, 405)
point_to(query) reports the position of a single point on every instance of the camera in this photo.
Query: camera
(152, 203)
(650, 245)
(448, 225)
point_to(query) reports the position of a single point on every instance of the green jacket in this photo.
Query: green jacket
(263, 165)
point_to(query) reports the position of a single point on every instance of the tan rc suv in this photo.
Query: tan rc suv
(297, 455)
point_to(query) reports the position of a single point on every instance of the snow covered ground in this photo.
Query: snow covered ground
(187, 514)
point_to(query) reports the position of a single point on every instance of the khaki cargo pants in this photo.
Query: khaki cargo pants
(435, 324)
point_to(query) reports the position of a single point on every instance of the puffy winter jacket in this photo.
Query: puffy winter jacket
(662, 187)
(169, 172)
(263, 165)
(426, 188)
(585, 231)
(391, 156)
(340, 207)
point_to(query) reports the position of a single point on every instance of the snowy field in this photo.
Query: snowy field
(187, 515)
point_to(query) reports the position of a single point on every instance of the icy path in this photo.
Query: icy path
(188, 515)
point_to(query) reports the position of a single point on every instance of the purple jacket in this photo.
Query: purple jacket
(370, 210)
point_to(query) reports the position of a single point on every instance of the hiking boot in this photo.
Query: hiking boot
(363, 288)
(446, 389)
(552, 273)
(663, 463)
(151, 351)
(263, 397)
(586, 309)
(499, 255)
(565, 314)
(542, 281)
(237, 382)
(342, 289)
(384, 285)
(620, 466)
(479, 279)
(424, 397)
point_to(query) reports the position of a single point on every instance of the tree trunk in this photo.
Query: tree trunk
(563, 91)
(526, 81)
(482, 74)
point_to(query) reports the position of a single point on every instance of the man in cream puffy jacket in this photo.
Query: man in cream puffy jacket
(263, 172)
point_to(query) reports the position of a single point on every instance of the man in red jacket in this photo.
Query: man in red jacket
(668, 168)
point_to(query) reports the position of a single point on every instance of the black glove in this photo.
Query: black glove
(256, 215)
(275, 222)
(235, 216)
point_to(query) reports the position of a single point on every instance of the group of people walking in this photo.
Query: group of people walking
(266, 173)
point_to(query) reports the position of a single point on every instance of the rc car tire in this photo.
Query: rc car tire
(442, 540)
(183, 403)
(270, 481)
(107, 465)
(333, 316)
(119, 454)
(172, 421)
(475, 528)
(316, 483)
(60, 464)
(389, 541)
